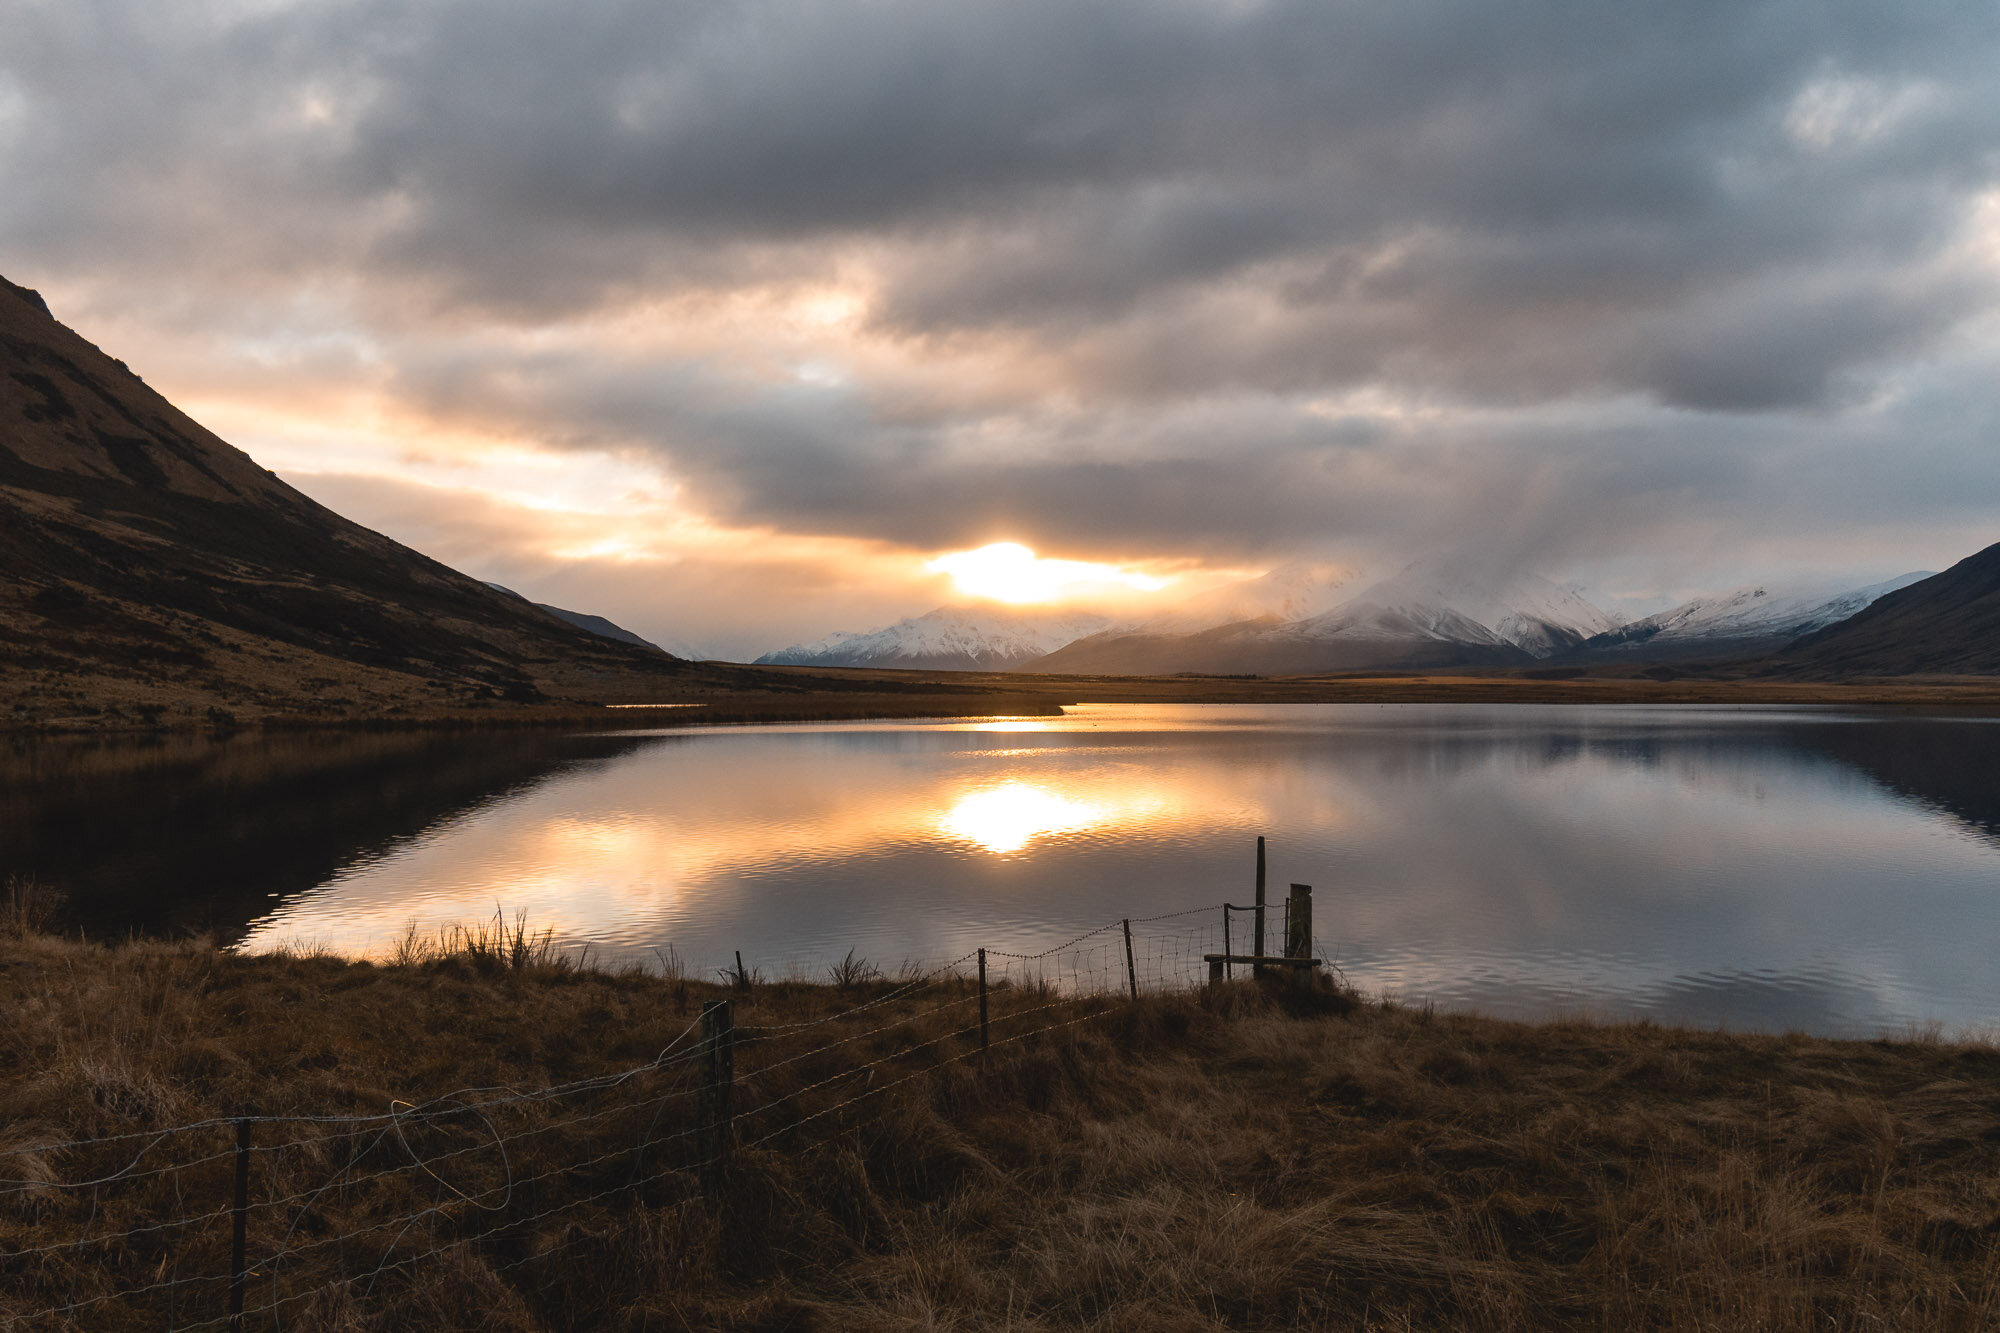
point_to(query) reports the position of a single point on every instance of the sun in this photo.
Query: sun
(1010, 572)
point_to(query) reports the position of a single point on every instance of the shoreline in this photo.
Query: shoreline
(909, 695)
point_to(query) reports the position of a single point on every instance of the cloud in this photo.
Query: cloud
(1140, 278)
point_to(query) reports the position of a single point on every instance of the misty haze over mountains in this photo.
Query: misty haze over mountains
(1431, 614)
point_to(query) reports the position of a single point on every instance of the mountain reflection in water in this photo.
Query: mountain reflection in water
(1776, 868)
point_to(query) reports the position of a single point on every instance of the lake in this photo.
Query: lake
(1776, 868)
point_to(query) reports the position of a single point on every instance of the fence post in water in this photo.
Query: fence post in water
(1259, 950)
(983, 1038)
(1131, 972)
(718, 1084)
(239, 1265)
(1299, 932)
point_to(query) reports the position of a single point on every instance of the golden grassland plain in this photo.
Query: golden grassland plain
(721, 694)
(1623, 686)
(1231, 1158)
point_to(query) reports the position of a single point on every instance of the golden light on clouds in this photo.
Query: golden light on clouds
(1010, 572)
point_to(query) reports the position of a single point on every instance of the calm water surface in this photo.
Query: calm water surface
(1773, 868)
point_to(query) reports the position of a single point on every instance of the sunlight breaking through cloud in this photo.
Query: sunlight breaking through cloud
(1010, 572)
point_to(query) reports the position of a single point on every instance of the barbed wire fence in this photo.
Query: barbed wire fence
(277, 1220)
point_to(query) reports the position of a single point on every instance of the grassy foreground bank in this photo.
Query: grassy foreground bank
(1219, 1160)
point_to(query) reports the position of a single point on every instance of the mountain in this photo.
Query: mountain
(1946, 624)
(148, 569)
(951, 638)
(599, 626)
(1430, 615)
(1530, 613)
(1748, 622)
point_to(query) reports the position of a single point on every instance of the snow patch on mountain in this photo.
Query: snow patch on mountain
(953, 638)
(1448, 602)
(1757, 613)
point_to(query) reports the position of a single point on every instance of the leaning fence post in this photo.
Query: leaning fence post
(983, 1041)
(1131, 972)
(1259, 950)
(239, 1241)
(718, 1083)
(1299, 932)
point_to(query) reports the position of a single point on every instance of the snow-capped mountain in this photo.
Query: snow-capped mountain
(1753, 619)
(1447, 601)
(951, 638)
(1300, 619)
(1431, 614)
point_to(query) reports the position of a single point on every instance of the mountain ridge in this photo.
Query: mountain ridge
(149, 567)
(1946, 625)
(1746, 622)
(947, 638)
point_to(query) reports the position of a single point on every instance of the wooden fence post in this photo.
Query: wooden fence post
(1131, 972)
(239, 1241)
(1299, 932)
(984, 1040)
(717, 1104)
(1259, 950)
(1227, 972)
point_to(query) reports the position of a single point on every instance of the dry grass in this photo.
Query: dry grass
(28, 907)
(1221, 1160)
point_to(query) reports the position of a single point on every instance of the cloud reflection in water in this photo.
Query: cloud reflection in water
(1524, 859)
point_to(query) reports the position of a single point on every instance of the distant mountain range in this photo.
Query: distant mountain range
(1432, 615)
(1002, 638)
(951, 638)
(1748, 622)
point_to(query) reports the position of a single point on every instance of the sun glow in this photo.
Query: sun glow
(1008, 817)
(1010, 572)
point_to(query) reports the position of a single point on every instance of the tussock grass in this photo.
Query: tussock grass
(1229, 1159)
(28, 906)
(498, 945)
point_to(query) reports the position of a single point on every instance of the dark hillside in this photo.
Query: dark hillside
(145, 563)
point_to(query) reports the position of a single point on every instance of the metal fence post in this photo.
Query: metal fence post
(984, 1041)
(1131, 972)
(239, 1240)
(718, 1083)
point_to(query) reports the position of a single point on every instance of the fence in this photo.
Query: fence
(271, 1219)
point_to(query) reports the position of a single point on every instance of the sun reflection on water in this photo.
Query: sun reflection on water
(1008, 817)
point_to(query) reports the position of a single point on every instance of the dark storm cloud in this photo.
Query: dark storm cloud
(1196, 216)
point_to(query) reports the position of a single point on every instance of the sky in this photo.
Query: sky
(735, 322)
